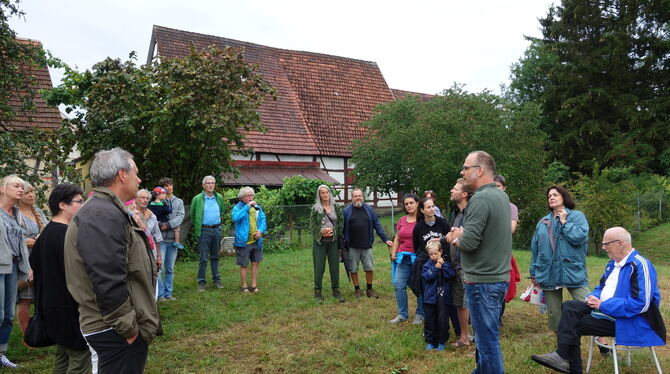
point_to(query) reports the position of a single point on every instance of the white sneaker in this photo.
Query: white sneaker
(418, 320)
(398, 319)
(4, 362)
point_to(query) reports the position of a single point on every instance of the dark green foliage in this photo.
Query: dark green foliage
(556, 173)
(419, 145)
(605, 198)
(180, 117)
(602, 75)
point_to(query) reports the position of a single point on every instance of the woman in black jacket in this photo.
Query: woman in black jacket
(428, 226)
(53, 300)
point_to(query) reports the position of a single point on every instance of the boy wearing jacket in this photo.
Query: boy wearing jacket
(436, 274)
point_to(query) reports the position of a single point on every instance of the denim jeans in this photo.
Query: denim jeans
(484, 303)
(208, 247)
(400, 282)
(8, 303)
(166, 275)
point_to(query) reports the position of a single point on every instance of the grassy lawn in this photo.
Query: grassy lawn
(655, 243)
(281, 329)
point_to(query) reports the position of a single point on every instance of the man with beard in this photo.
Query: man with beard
(359, 221)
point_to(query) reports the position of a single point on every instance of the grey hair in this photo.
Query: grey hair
(27, 186)
(622, 234)
(317, 204)
(209, 177)
(107, 164)
(245, 190)
(144, 190)
(10, 179)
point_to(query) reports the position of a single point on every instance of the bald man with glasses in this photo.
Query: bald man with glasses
(625, 304)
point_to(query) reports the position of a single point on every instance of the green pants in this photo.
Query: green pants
(319, 254)
(72, 361)
(554, 300)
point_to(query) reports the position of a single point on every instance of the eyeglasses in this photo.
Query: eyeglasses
(605, 244)
(80, 201)
(465, 168)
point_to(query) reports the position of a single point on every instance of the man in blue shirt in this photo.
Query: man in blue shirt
(206, 212)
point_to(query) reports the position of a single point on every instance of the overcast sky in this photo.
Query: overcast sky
(422, 46)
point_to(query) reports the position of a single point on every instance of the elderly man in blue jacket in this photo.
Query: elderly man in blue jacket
(359, 221)
(625, 305)
(250, 225)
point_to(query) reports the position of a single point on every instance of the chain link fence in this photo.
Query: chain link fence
(288, 226)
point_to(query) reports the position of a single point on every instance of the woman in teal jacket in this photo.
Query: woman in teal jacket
(558, 258)
(325, 221)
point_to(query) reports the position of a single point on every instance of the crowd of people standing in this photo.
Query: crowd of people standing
(97, 270)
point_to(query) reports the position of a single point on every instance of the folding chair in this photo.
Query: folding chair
(616, 349)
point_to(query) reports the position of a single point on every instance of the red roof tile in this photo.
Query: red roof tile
(321, 99)
(400, 94)
(44, 116)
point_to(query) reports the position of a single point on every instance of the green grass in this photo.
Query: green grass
(281, 329)
(655, 244)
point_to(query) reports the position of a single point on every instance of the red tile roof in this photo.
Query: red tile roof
(400, 94)
(321, 99)
(272, 173)
(44, 116)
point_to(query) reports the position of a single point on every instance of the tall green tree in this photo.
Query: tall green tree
(179, 117)
(601, 71)
(45, 150)
(416, 145)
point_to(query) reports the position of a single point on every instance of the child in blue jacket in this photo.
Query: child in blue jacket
(436, 274)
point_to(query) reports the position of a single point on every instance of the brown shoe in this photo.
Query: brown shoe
(371, 293)
(358, 293)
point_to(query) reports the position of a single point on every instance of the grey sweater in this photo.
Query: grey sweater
(486, 244)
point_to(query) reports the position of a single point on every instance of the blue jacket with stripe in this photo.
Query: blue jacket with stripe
(635, 303)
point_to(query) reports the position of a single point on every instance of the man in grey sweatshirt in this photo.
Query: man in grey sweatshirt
(485, 241)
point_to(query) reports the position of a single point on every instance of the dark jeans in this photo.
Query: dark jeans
(208, 247)
(115, 355)
(435, 324)
(484, 301)
(576, 321)
(453, 317)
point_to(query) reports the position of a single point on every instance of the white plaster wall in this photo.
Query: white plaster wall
(268, 157)
(296, 158)
(337, 175)
(237, 157)
(331, 162)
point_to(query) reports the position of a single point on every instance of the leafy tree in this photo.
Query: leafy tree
(556, 173)
(605, 199)
(417, 145)
(18, 62)
(601, 71)
(178, 116)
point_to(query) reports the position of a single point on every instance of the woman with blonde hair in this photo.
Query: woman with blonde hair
(33, 223)
(13, 257)
(326, 225)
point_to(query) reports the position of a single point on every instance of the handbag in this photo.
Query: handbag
(36, 334)
(340, 241)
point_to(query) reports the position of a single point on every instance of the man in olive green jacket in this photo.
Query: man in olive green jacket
(110, 269)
